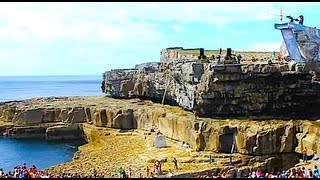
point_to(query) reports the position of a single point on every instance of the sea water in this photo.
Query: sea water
(39, 152)
(25, 87)
(42, 153)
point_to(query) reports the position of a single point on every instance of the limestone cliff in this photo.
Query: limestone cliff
(251, 137)
(257, 90)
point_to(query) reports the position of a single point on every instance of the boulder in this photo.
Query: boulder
(49, 115)
(160, 141)
(88, 114)
(8, 113)
(77, 115)
(29, 116)
(124, 120)
(100, 117)
(63, 132)
(27, 132)
(199, 142)
(62, 114)
(3, 128)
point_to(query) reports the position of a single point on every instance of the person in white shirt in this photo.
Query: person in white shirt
(253, 175)
(315, 156)
(170, 174)
(186, 145)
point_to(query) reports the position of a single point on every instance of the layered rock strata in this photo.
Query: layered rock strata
(256, 138)
(258, 90)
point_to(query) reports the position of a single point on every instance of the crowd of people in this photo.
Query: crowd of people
(306, 171)
(297, 172)
(126, 174)
(32, 172)
(155, 171)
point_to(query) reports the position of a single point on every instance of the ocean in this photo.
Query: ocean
(25, 87)
(40, 152)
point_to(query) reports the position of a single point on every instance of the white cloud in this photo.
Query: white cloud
(176, 28)
(112, 26)
(110, 33)
(268, 47)
(44, 22)
(115, 61)
(99, 61)
(211, 12)
(20, 60)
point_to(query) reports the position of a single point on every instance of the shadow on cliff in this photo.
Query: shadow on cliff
(167, 101)
(307, 113)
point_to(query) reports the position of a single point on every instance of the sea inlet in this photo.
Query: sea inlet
(39, 152)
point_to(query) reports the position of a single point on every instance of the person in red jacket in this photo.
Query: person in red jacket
(196, 114)
(304, 155)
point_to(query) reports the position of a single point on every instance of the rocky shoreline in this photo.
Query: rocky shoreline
(118, 131)
(55, 131)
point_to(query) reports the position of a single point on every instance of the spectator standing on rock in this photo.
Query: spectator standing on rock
(170, 174)
(211, 160)
(239, 57)
(156, 130)
(219, 58)
(130, 173)
(156, 171)
(160, 167)
(147, 170)
(315, 156)
(175, 163)
(279, 56)
(316, 172)
(124, 175)
(239, 173)
(304, 155)
(196, 114)
(120, 172)
(304, 172)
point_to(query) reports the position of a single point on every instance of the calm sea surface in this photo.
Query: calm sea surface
(40, 152)
(24, 87)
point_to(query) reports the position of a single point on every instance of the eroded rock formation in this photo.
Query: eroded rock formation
(251, 137)
(257, 90)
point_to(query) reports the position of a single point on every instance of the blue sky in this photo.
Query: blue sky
(67, 38)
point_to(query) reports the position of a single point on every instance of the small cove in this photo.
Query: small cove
(40, 152)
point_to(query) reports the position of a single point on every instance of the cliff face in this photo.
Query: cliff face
(251, 137)
(264, 144)
(232, 90)
(260, 95)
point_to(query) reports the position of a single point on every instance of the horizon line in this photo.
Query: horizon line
(52, 75)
